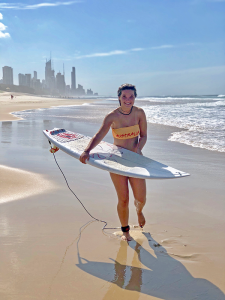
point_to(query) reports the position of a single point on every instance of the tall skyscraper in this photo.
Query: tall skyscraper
(49, 76)
(73, 80)
(35, 75)
(48, 70)
(28, 80)
(7, 75)
(60, 83)
(22, 80)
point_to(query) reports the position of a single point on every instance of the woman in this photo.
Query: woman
(129, 129)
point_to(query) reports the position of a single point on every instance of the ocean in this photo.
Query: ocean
(202, 118)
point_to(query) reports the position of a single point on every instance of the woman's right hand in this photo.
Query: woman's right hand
(84, 156)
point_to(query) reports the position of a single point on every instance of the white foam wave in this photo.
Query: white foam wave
(204, 122)
(112, 99)
(198, 139)
(167, 99)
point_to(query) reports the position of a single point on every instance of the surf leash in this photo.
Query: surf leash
(53, 150)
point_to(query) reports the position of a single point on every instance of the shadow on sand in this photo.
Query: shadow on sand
(163, 276)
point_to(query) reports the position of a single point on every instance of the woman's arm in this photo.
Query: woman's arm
(143, 131)
(97, 138)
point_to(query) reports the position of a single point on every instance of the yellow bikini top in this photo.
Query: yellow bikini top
(126, 132)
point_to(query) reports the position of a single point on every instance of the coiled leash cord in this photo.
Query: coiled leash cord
(104, 227)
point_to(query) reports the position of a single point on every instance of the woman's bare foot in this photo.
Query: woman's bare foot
(126, 236)
(141, 219)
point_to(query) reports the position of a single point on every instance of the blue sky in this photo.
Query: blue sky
(163, 47)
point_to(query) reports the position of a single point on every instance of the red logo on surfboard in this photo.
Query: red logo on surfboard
(68, 136)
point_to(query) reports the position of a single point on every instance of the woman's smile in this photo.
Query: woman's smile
(127, 98)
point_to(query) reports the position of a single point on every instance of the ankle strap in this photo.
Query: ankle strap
(125, 229)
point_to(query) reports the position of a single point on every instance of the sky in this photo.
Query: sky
(163, 47)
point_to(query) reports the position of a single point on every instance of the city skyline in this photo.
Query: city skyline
(162, 47)
(52, 84)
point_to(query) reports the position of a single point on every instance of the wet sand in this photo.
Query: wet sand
(24, 102)
(178, 255)
(18, 184)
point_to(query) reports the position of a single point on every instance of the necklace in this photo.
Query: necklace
(126, 114)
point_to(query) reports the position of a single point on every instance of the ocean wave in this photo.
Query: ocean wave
(200, 139)
(204, 122)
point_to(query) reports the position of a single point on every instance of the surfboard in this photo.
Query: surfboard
(111, 158)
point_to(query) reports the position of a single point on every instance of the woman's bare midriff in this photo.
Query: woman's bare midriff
(129, 144)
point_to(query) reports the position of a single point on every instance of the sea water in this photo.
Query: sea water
(202, 118)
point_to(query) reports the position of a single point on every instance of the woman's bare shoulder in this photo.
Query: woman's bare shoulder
(110, 117)
(139, 110)
(112, 114)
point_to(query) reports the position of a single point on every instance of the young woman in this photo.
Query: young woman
(129, 129)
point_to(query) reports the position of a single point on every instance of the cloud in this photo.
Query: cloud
(137, 49)
(110, 53)
(174, 46)
(122, 52)
(1, 16)
(4, 35)
(163, 47)
(3, 28)
(34, 6)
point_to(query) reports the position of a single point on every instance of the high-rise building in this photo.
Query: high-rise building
(48, 71)
(80, 90)
(7, 75)
(35, 75)
(28, 80)
(68, 90)
(89, 92)
(22, 80)
(49, 76)
(60, 83)
(35, 82)
(73, 80)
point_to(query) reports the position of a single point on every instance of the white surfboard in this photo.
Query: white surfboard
(111, 158)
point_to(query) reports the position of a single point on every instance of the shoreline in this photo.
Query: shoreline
(22, 102)
(25, 181)
(8, 107)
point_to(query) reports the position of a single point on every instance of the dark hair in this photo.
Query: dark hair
(126, 86)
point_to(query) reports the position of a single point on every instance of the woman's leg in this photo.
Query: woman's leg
(121, 185)
(139, 190)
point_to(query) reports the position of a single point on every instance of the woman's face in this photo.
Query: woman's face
(127, 98)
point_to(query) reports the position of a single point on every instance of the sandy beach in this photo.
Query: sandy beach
(51, 249)
(24, 102)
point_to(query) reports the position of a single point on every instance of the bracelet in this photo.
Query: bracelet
(125, 229)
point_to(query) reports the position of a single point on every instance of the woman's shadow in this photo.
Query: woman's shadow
(163, 276)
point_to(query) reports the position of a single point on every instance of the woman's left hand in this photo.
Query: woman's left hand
(138, 151)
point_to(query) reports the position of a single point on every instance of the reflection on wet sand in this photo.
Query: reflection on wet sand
(6, 132)
(120, 274)
(165, 277)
